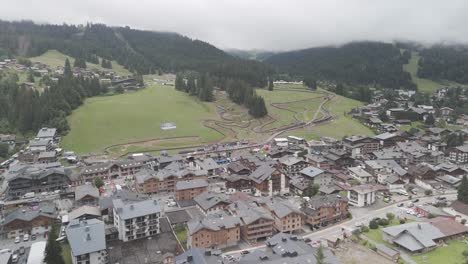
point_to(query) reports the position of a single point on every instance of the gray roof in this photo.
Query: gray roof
(207, 200)
(249, 212)
(47, 154)
(360, 172)
(414, 236)
(388, 154)
(134, 209)
(317, 202)
(179, 216)
(199, 256)
(285, 248)
(39, 142)
(388, 164)
(46, 132)
(311, 171)
(289, 160)
(385, 136)
(86, 236)
(463, 148)
(85, 190)
(27, 214)
(214, 222)
(191, 184)
(262, 173)
(84, 210)
(281, 208)
(208, 164)
(175, 169)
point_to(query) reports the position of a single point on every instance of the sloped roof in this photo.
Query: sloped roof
(414, 236)
(85, 190)
(86, 236)
(135, 209)
(207, 200)
(311, 171)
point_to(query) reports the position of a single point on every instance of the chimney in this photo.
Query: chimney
(88, 237)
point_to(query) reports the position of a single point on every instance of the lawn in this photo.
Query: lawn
(376, 234)
(181, 233)
(66, 253)
(342, 125)
(54, 58)
(285, 117)
(450, 253)
(424, 85)
(107, 120)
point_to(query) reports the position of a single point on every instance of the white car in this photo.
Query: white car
(14, 258)
(26, 237)
(17, 240)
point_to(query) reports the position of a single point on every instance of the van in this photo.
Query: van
(29, 195)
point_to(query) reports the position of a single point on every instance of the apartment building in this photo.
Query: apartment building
(164, 180)
(359, 145)
(257, 222)
(187, 190)
(323, 210)
(38, 179)
(214, 231)
(210, 202)
(136, 219)
(112, 170)
(459, 154)
(291, 165)
(87, 241)
(286, 217)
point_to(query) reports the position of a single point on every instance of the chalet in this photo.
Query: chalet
(112, 170)
(319, 161)
(458, 154)
(47, 134)
(316, 176)
(215, 231)
(187, 190)
(287, 218)
(269, 180)
(422, 171)
(210, 202)
(256, 221)
(389, 139)
(238, 182)
(361, 175)
(323, 210)
(292, 165)
(363, 195)
(30, 220)
(359, 145)
(86, 195)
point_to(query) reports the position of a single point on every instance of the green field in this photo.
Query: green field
(424, 85)
(108, 120)
(450, 253)
(342, 125)
(54, 59)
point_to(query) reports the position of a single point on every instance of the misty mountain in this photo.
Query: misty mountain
(259, 55)
(138, 50)
(373, 63)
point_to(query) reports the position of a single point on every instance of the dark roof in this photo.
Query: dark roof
(460, 207)
(28, 214)
(448, 226)
(179, 216)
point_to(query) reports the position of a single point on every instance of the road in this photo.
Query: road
(362, 218)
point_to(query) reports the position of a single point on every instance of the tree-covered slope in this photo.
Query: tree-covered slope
(444, 63)
(374, 63)
(137, 50)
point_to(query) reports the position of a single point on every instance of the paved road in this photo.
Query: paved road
(362, 218)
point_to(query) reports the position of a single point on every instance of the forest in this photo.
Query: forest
(444, 63)
(365, 63)
(23, 109)
(139, 51)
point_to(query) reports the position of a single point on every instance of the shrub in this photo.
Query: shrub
(383, 222)
(390, 216)
(373, 224)
(428, 192)
(365, 229)
(431, 216)
(349, 215)
(372, 246)
(402, 221)
(463, 221)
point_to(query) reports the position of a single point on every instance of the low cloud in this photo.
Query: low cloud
(262, 24)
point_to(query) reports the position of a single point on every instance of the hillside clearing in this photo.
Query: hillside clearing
(54, 59)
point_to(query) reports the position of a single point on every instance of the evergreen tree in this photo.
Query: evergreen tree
(180, 83)
(270, 85)
(319, 256)
(98, 182)
(462, 194)
(67, 73)
(430, 120)
(205, 91)
(311, 83)
(79, 63)
(191, 86)
(53, 251)
(30, 76)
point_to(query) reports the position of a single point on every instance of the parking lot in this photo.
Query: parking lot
(15, 247)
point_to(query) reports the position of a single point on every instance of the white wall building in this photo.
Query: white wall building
(136, 219)
(87, 241)
(363, 195)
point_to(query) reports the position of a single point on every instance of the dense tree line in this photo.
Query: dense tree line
(24, 109)
(201, 85)
(444, 63)
(463, 191)
(139, 51)
(369, 63)
(360, 93)
(106, 64)
(241, 93)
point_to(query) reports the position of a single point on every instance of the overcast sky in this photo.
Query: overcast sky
(263, 24)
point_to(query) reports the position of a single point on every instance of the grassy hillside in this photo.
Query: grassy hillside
(342, 125)
(54, 59)
(424, 85)
(103, 121)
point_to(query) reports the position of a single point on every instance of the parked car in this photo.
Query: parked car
(415, 200)
(14, 258)
(26, 237)
(245, 252)
(17, 240)
(33, 237)
(21, 250)
(400, 205)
